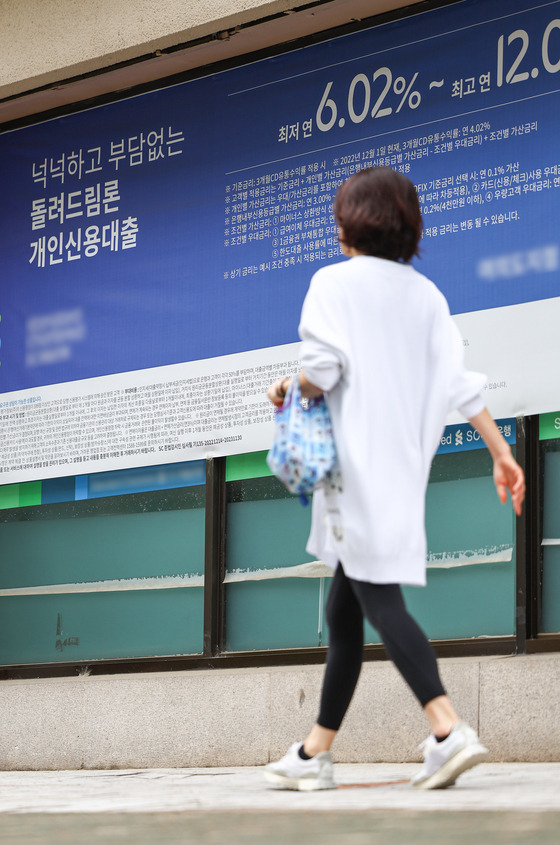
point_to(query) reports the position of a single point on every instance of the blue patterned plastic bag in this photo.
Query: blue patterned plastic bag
(303, 452)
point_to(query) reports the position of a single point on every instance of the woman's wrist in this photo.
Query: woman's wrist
(282, 386)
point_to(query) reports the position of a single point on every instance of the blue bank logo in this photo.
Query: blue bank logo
(463, 437)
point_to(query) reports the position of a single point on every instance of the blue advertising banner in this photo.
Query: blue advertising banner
(464, 438)
(183, 225)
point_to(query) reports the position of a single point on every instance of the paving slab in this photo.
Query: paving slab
(522, 787)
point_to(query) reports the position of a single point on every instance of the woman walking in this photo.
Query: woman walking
(379, 342)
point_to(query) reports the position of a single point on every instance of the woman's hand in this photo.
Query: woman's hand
(277, 391)
(508, 475)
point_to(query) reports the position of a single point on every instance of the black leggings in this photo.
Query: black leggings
(406, 644)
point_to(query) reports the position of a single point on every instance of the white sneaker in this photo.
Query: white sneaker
(292, 772)
(445, 761)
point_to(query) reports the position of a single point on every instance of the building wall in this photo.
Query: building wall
(246, 717)
(45, 41)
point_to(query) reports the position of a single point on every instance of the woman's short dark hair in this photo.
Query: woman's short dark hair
(379, 214)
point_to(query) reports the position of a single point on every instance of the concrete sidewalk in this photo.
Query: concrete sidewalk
(520, 787)
(495, 804)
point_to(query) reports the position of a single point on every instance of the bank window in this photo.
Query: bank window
(549, 429)
(272, 598)
(275, 594)
(96, 573)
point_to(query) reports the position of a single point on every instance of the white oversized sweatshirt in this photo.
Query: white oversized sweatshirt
(379, 340)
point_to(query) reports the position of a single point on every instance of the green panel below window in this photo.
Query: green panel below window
(284, 613)
(551, 590)
(472, 601)
(551, 502)
(469, 601)
(82, 627)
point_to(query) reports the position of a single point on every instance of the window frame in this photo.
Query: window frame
(527, 639)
